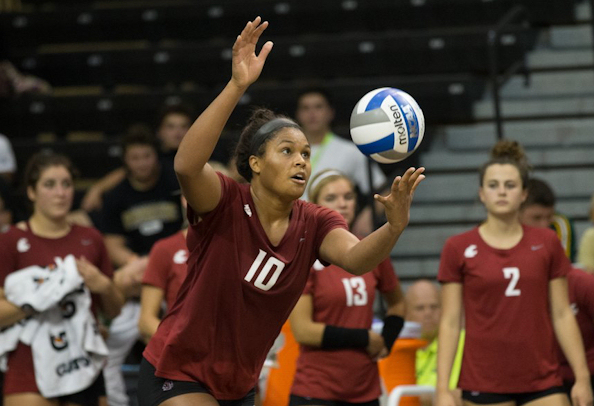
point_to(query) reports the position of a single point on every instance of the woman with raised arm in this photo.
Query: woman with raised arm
(252, 250)
(509, 281)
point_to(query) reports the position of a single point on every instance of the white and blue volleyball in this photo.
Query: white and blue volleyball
(387, 125)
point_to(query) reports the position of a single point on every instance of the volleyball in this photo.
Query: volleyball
(387, 125)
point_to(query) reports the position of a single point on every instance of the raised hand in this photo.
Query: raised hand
(247, 66)
(398, 202)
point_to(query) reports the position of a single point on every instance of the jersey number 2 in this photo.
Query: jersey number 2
(513, 274)
(272, 262)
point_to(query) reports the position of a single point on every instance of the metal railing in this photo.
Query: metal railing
(494, 43)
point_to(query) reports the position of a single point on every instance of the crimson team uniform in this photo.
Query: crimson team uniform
(239, 291)
(510, 343)
(343, 300)
(20, 249)
(581, 298)
(167, 268)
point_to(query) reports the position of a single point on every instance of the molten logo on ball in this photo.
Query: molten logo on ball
(387, 124)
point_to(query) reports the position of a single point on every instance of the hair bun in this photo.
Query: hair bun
(506, 149)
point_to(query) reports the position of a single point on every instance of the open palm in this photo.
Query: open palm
(247, 66)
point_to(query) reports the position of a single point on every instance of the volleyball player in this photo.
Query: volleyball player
(38, 241)
(332, 319)
(509, 280)
(252, 250)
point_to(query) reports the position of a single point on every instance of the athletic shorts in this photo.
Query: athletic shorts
(152, 390)
(486, 398)
(87, 397)
(305, 401)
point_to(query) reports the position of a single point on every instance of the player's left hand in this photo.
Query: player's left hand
(398, 202)
(94, 279)
(581, 393)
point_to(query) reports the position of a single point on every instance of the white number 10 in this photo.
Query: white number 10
(513, 274)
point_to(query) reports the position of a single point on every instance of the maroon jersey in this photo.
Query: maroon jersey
(510, 344)
(581, 298)
(167, 267)
(239, 291)
(344, 300)
(20, 249)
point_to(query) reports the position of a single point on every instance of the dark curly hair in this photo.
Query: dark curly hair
(243, 150)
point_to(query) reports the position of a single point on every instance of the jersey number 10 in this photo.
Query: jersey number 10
(271, 262)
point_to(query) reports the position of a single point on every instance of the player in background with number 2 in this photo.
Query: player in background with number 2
(509, 282)
(251, 252)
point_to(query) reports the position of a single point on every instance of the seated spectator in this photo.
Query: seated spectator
(586, 250)
(140, 210)
(423, 305)
(174, 121)
(538, 210)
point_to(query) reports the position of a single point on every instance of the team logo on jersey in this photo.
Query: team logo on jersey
(23, 245)
(470, 251)
(167, 385)
(248, 211)
(59, 342)
(180, 257)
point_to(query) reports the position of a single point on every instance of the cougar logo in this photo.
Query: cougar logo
(470, 251)
(23, 245)
(180, 257)
(59, 342)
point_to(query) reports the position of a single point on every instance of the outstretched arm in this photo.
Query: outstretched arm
(199, 182)
(570, 339)
(343, 249)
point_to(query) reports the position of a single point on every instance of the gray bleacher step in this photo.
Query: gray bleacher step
(424, 240)
(545, 133)
(571, 36)
(549, 84)
(474, 212)
(560, 58)
(414, 269)
(542, 107)
(463, 187)
(448, 160)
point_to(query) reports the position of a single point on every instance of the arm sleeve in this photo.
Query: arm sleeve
(327, 221)
(559, 265)
(8, 262)
(158, 267)
(450, 264)
(387, 279)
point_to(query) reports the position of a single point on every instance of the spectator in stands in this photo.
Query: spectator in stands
(140, 210)
(586, 250)
(172, 125)
(510, 281)
(328, 150)
(423, 305)
(46, 235)
(332, 319)
(538, 210)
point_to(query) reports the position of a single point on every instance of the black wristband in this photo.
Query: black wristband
(391, 329)
(340, 337)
